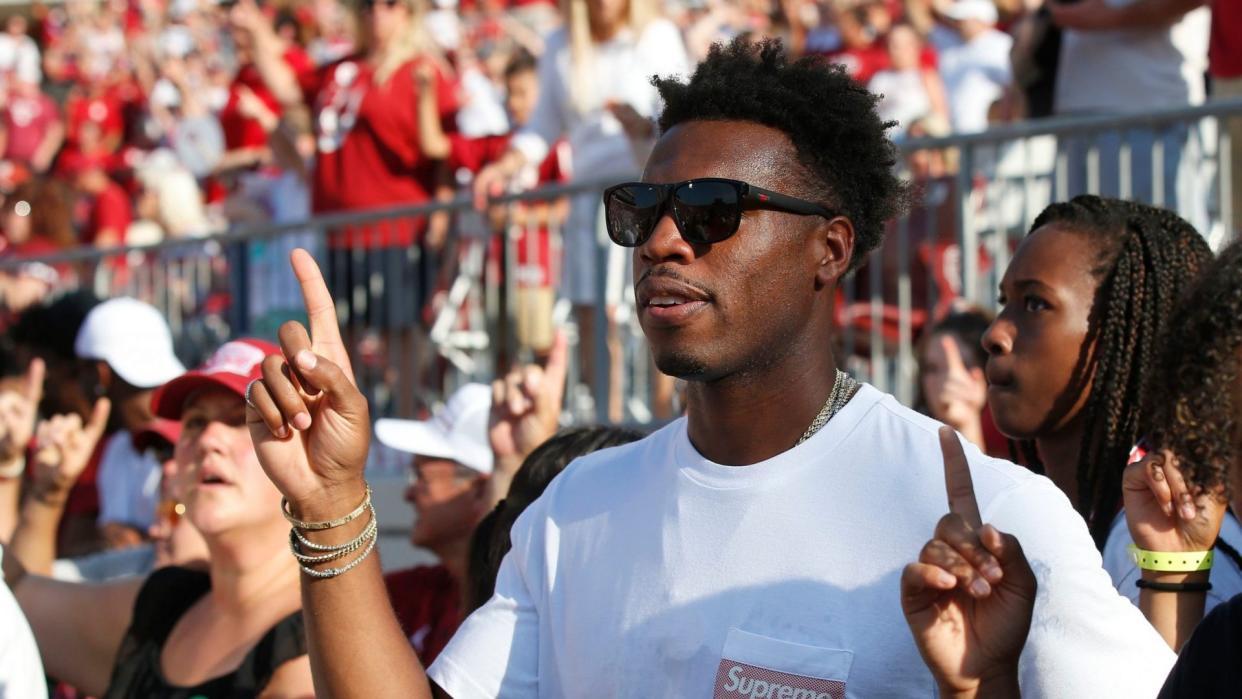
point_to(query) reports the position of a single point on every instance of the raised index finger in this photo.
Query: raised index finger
(957, 482)
(952, 354)
(325, 330)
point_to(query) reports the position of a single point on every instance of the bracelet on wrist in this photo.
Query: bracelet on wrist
(13, 469)
(1172, 587)
(330, 524)
(1171, 562)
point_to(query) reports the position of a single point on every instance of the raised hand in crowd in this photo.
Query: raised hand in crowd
(962, 395)
(64, 445)
(1167, 515)
(969, 598)
(63, 448)
(19, 408)
(311, 430)
(526, 412)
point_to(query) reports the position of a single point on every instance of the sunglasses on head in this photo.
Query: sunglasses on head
(706, 210)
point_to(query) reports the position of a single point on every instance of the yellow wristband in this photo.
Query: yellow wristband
(1166, 562)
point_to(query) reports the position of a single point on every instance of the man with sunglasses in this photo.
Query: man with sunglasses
(753, 549)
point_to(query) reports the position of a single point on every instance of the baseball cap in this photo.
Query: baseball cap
(133, 338)
(159, 429)
(457, 431)
(231, 367)
(982, 10)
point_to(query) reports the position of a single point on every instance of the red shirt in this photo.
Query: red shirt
(241, 132)
(369, 152)
(1225, 46)
(110, 210)
(103, 112)
(27, 120)
(427, 603)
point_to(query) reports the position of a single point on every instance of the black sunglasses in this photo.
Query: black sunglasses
(368, 4)
(706, 210)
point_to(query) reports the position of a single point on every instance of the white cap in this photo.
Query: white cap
(133, 338)
(982, 10)
(457, 432)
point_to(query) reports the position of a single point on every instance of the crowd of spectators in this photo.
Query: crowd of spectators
(136, 121)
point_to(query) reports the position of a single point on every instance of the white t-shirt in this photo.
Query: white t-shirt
(904, 97)
(975, 74)
(1226, 576)
(648, 571)
(621, 71)
(1133, 70)
(129, 483)
(21, 668)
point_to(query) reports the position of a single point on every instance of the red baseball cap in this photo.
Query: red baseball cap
(233, 367)
(155, 431)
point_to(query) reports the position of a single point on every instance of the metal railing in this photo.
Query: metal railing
(420, 324)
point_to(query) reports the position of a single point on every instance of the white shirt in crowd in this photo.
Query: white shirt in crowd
(19, 56)
(904, 97)
(21, 668)
(1134, 70)
(129, 483)
(648, 571)
(975, 75)
(1226, 576)
(620, 72)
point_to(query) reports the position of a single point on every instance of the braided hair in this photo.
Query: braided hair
(1147, 257)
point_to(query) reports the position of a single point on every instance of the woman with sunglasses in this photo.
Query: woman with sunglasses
(1084, 304)
(595, 91)
(235, 630)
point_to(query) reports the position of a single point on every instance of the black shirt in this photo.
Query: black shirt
(1210, 664)
(165, 597)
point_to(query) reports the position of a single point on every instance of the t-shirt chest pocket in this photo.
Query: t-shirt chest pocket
(758, 667)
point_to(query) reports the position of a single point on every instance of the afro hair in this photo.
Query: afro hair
(847, 158)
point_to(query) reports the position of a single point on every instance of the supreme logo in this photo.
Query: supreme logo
(734, 679)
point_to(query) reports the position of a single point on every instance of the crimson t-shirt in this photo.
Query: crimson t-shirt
(1225, 45)
(110, 210)
(369, 155)
(27, 120)
(102, 111)
(428, 605)
(243, 132)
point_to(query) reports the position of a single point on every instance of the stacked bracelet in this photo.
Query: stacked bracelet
(303, 549)
(1172, 587)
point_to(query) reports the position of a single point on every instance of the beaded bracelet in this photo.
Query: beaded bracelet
(334, 552)
(333, 572)
(331, 524)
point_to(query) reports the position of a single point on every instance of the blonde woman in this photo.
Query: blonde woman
(596, 92)
(234, 630)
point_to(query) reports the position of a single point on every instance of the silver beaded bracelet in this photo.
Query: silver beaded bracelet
(303, 542)
(333, 572)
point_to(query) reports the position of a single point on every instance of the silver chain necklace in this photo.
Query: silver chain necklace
(843, 389)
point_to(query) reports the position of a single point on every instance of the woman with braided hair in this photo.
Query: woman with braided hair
(1085, 302)
(1196, 408)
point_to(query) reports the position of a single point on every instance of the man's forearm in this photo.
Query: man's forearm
(357, 648)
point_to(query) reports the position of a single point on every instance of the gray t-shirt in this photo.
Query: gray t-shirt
(1133, 69)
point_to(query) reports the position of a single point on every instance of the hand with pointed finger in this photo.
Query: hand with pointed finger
(1165, 513)
(64, 446)
(310, 423)
(19, 410)
(526, 406)
(969, 598)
